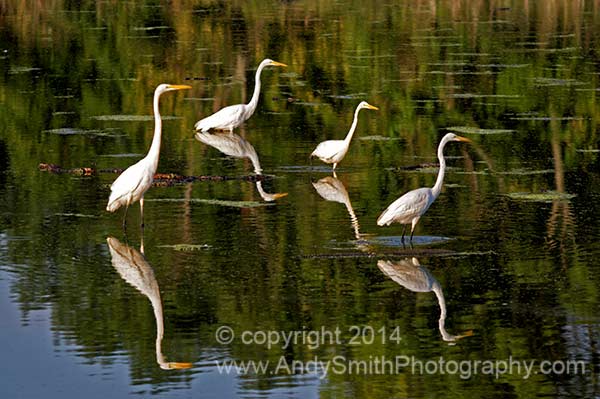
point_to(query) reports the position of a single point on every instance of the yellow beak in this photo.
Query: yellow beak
(369, 106)
(176, 366)
(280, 64)
(279, 195)
(179, 87)
(464, 139)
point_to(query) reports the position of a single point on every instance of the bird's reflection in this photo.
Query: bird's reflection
(133, 268)
(332, 189)
(411, 275)
(236, 146)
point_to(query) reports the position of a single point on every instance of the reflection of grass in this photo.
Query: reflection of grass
(547, 196)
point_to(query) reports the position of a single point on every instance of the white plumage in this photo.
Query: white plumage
(409, 208)
(133, 183)
(333, 151)
(232, 116)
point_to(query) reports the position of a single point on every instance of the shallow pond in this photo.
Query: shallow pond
(259, 272)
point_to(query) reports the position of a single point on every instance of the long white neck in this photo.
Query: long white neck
(254, 100)
(353, 127)
(154, 151)
(437, 188)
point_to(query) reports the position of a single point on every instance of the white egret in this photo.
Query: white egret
(411, 275)
(135, 269)
(233, 116)
(133, 183)
(333, 151)
(409, 208)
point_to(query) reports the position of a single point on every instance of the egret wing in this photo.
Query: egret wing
(412, 204)
(226, 118)
(327, 150)
(128, 184)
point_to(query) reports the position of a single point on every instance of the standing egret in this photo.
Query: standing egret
(409, 208)
(333, 151)
(133, 183)
(233, 116)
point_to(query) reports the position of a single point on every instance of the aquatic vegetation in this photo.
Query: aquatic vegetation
(218, 202)
(547, 196)
(477, 130)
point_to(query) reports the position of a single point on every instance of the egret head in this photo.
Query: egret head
(454, 137)
(366, 105)
(270, 62)
(164, 87)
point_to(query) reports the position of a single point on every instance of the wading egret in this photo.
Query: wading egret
(411, 275)
(333, 151)
(412, 205)
(133, 183)
(133, 268)
(233, 116)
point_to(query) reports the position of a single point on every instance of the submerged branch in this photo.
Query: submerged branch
(419, 166)
(160, 179)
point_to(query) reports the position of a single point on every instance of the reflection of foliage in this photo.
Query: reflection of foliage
(428, 66)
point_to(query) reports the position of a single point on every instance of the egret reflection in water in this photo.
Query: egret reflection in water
(236, 146)
(332, 189)
(411, 275)
(133, 268)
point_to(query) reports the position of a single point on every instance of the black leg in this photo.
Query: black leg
(125, 218)
(142, 211)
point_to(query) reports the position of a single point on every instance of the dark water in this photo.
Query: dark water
(504, 271)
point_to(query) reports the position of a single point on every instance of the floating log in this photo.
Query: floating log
(160, 179)
(52, 168)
